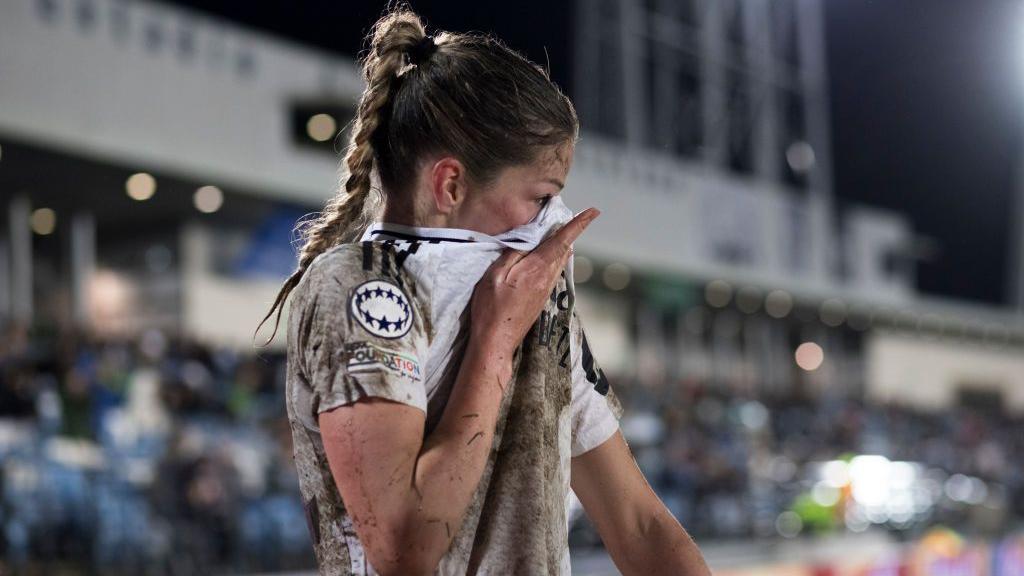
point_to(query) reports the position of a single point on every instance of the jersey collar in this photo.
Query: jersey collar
(390, 230)
(525, 237)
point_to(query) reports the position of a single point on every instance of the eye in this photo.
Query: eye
(543, 199)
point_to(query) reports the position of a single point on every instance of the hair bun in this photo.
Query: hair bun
(422, 50)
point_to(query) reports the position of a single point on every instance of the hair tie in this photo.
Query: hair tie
(422, 50)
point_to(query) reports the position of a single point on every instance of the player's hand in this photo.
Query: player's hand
(510, 296)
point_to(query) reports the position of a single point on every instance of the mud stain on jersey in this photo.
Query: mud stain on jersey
(318, 317)
(516, 518)
(528, 468)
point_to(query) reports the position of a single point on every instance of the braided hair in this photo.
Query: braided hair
(464, 94)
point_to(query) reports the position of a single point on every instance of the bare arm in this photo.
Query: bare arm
(641, 535)
(407, 494)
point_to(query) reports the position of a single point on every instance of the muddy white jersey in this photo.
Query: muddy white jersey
(388, 316)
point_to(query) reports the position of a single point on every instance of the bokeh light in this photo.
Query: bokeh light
(809, 356)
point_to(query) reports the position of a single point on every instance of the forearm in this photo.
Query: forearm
(659, 545)
(451, 462)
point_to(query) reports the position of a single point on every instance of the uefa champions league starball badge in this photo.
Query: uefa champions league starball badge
(382, 308)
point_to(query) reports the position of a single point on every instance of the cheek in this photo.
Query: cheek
(522, 212)
(496, 216)
(505, 216)
(531, 210)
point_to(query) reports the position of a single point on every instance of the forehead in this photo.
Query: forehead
(550, 163)
(556, 157)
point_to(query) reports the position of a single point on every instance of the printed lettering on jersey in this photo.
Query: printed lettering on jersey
(368, 357)
(382, 308)
(595, 375)
(591, 368)
(553, 324)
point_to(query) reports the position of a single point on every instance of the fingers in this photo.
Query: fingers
(508, 257)
(503, 264)
(557, 246)
(564, 260)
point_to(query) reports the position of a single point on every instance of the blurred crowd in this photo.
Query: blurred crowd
(147, 456)
(731, 465)
(158, 455)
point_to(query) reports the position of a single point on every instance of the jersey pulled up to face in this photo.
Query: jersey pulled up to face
(388, 317)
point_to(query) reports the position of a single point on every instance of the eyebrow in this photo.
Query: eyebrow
(555, 182)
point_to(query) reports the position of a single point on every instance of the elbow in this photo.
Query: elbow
(400, 539)
(390, 559)
(400, 562)
(400, 566)
(420, 565)
(402, 554)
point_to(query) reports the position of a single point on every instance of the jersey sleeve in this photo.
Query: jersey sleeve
(595, 408)
(363, 332)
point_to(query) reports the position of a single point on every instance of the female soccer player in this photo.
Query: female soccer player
(441, 393)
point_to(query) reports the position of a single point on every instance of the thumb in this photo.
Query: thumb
(567, 255)
(507, 258)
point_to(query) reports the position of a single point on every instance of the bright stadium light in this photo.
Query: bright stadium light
(321, 127)
(870, 479)
(43, 221)
(140, 186)
(809, 356)
(836, 473)
(208, 199)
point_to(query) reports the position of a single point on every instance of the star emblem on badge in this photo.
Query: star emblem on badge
(382, 308)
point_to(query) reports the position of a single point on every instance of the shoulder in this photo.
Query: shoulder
(325, 282)
(362, 283)
(331, 274)
(354, 262)
(339, 262)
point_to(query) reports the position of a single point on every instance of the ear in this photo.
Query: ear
(448, 184)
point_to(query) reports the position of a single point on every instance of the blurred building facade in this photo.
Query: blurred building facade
(172, 152)
(733, 97)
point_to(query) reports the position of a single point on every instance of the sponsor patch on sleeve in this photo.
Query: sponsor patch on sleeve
(368, 357)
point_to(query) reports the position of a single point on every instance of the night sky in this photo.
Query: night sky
(926, 101)
(926, 98)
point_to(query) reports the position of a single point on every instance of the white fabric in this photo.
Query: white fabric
(452, 266)
(447, 263)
